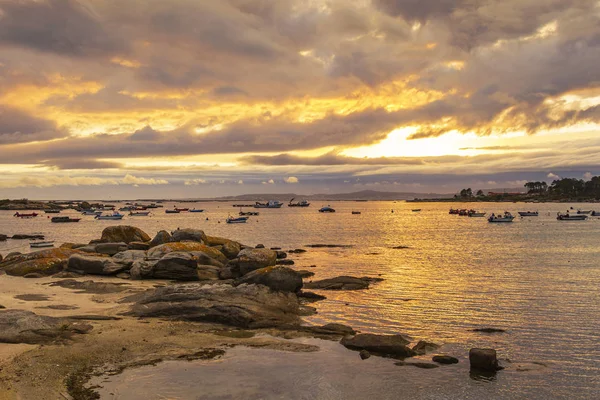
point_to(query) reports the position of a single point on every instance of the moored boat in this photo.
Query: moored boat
(528, 213)
(182, 209)
(571, 217)
(356, 212)
(238, 220)
(302, 203)
(41, 243)
(476, 214)
(52, 211)
(454, 211)
(22, 215)
(64, 219)
(242, 213)
(416, 210)
(464, 212)
(114, 216)
(91, 212)
(139, 213)
(584, 212)
(325, 209)
(194, 210)
(269, 204)
(172, 211)
(506, 217)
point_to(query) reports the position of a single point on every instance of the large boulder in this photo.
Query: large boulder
(231, 249)
(3, 238)
(249, 260)
(483, 360)
(94, 265)
(277, 278)
(141, 269)
(245, 306)
(44, 262)
(110, 249)
(177, 266)
(216, 241)
(342, 283)
(161, 237)
(128, 257)
(139, 246)
(160, 251)
(124, 233)
(383, 345)
(188, 234)
(19, 326)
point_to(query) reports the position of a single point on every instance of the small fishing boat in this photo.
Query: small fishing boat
(528, 213)
(64, 219)
(454, 211)
(21, 215)
(416, 210)
(506, 217)
(172, 211)
(52, 211)
(269, 204)
(182, 209)
(238, 220)
(327, 209)
(197, 210)
(250, 213)
(41, 243)
(476, 214)
(584, 212)
(139, 213)
(127, 208)
(595, 214)
(356, 212)
(302, 203)
(464, 212)
(571, 217)
(114, 216)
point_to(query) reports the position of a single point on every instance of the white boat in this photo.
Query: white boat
(476, 214)
(41, 243)
(114, 216)
(506, 217)
(571, 217)
(269, 204)
(528, 213)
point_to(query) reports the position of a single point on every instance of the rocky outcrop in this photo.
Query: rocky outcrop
(128, 257)
(304, 273)
(245, 306)
(44, 262)
(483, 360)
(95, 265)
(161, 237)
(383, 345)
(141, 269)
(124, 233)
(444, 359)
(110, 249)
(276, 278)
(342, 283)
(19, 326)
(160, 251)
(249, 260)
(177, 266)
(231, 249)
(188, 234)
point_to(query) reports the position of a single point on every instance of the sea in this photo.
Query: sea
(444, 275)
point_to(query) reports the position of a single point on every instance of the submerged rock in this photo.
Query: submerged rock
(444, 359)
(94, 265)
(285, 262)
(124, 233)
(161, 237)
(297, 251)
(384, 345)
(423, 347)
(276, 278)
(19, 326)
(246, 306)
(280, 254)
(91, 286)
(188, 234)
(342, 283)
(417, 364)
(489, 330)
(483, 360)
(310, 296)
(331, 246)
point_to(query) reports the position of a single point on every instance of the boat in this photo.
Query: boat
(326, 209)
(476, 214)
(197, 210)
(91, 212)
(139, 213)
(30, 215)
(269, 204)
(41, 243)
(302, 203)
(595, 214)
(506, 217)
(114, 216)
(242, 213)
(52, 211)
(416, 210)
(571, 217)
(528, 213)
(182, 209)
(127, 208)
(454, 211)
(464, 212)
(238, 220)
(356, 212)
(65, 219)
(172, 211)
(584, 212)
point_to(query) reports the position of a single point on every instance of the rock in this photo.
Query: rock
(141, 269)
(337, 329)
(123, 275)
(400, 247)
(342, 283)
(12, 254)
(330, 246)
(23, 237)
(139, 246)
(364, 354)
(483, 360)
(422, 347)
(384, 345)
(310, 296)
(276, 278)
(94, 265)
(245, 306)
(285, 262)
(226, 273)
(216, 241)
(110, 248)
(444, 359)
(128, 257)
(489, 330)
(208, 272)
(259, 246)
(33, 275)
(297, 251)
(178, 266)
(90, 286)
(305, 273)
(188, 234)
(418, 364)
(67, 274)
(249, 260)
(161, 237)
(231, 249)
(19, 326)
(275, 248)
(45, 262)
(161, 250)
(124, 233)
(3, 238)
(91, 248)
(72, 245)
(206, 259)
(2, 307)
(280, 254)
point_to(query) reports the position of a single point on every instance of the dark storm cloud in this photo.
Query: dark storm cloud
(18, 127)
(81, 164)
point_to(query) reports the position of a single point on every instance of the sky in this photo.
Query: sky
(201, 98)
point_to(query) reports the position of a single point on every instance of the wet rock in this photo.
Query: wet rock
(364, 354)
(141, 269)
(2, 307)
(281, 254)
(110, 249)
(19, 326)
(90, 286)
(231, 249)
(139, 246)
(188, 234)
(216, 241)
(417, 364)
(161, 237)
(333, 329)
(124, 233)
(383, 345)
(276, 278)
(178, 266)
(275, 248)
(32, 297)
(67, 274)
(297, 251)
(483, 360)
(72, 245)
(423, 347)
(310, 296)
(284, 262)
(25, 236)
(444, 359)
(12, 254)
(90, 248)
(94, 265)
(259, 246)
(60, 307)
(3, 238)
(400, 247)
(161, 250)
(245, 306)
(128, 257)
(208, 272)
(330, 246)
(226, 273)
(342, 283)
(249, 260)
(305, 273)
(33, 275)
(44, 262)
(489, 330)
(123, 275)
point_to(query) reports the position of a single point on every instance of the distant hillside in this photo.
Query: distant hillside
(362, 195)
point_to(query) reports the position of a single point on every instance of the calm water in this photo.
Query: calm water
(538, 278)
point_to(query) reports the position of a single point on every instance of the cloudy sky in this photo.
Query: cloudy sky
(202, 98)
